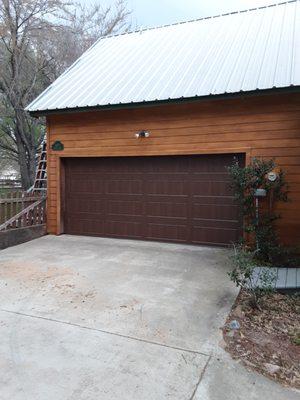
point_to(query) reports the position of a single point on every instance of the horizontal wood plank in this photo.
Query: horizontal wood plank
(262, 126)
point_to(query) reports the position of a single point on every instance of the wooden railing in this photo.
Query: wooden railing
(11, 184)
(19, 209)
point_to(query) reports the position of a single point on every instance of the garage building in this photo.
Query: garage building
(141, 128)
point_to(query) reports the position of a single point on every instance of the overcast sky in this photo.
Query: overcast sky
(147, 13)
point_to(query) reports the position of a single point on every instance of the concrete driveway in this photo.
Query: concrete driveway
(89, 318)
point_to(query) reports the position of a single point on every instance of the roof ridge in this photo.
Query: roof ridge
(194, 20)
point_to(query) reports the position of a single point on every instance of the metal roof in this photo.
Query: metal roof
(256, 49)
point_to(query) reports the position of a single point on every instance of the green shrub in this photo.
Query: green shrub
(245, 274)
(245, 181)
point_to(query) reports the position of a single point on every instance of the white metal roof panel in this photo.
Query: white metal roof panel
(250, 50)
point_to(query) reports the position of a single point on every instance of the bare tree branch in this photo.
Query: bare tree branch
(39, 39)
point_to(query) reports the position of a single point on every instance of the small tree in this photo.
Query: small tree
(260, 224)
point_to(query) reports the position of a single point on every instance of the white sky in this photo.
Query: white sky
(147, 13)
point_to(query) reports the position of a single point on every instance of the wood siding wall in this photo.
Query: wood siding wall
(262, 126)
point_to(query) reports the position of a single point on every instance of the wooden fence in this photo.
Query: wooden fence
(10, 184)
(19, 209)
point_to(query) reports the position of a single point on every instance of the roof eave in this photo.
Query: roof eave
(257, 92)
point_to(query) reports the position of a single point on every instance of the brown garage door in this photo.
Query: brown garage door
(183, 199)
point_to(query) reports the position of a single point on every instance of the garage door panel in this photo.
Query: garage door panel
(166, 209)
(213, 188)
(184, 199)
(176, 233)
(85, 226)
(121, 167)
(169, 188)
(80, 205)
(124, 187)
(125, 207)
(98, 216)
(162, 177)
(121, 176)
(166, 165)
(216, 236)
(212, 162)
(209, 176)
(126, 198)
(214, 223)
(214, 200)
(219, 212)
(124, 218)
(84, 186)
(117, 228)
(167, 221)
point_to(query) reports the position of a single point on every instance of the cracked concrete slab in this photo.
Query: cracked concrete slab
(86, 318)
(225, 379)
(152, 291)
(46, 360)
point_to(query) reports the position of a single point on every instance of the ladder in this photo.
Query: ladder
(40, 182)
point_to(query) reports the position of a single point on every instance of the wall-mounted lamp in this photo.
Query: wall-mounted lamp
(260, 193)
(142, 134)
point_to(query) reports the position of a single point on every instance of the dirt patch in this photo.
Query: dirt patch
(30, 271)
(267, 340)
(61, 284)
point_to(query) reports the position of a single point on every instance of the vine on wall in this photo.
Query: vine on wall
(260, 223)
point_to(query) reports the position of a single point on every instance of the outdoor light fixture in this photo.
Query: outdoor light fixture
(260, 193)
(142, 134)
